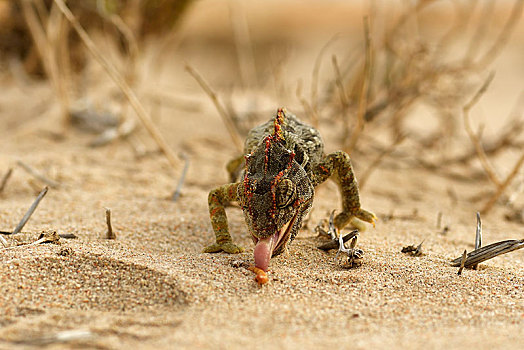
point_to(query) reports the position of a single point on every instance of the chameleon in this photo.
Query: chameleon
(283, 161)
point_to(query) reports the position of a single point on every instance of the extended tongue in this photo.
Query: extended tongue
(264, 250)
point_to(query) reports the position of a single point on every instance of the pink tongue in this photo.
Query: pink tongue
(263, 251)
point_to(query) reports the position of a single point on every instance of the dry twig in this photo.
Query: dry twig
(30, 212)
(178, 189)
(109, 234)
(363, 97)
(38, 175)
(462, 262)
(504, 185)
(121, 83)
(5, 178)
(412, 250)
(474, 138)
(49, 236)
(489, 252)
(226, 118)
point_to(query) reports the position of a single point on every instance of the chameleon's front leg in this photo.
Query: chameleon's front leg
(218, 198)
(338, 165)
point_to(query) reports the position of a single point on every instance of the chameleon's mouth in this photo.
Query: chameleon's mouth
(266, 246)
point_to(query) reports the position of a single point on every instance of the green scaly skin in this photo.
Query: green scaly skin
(317, 167)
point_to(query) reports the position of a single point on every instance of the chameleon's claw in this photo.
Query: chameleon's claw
(228, 247)
(367, 216)
(342, 219)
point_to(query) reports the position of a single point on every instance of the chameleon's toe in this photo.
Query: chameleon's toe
(367, 216)
(228, 247)
(342, 219)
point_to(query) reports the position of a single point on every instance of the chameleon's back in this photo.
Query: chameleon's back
(302, 139)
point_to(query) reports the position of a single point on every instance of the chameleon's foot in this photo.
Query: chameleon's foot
(228, 247)
(342, 219)
(367, 216)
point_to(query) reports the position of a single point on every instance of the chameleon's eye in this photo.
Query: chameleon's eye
(285, 193)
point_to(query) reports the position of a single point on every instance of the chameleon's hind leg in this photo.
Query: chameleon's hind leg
(234, 167)
(338, 166)
(217, 200)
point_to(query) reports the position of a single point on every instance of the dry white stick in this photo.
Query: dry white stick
(4, 241)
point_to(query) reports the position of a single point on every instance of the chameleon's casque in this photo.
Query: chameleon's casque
(284, 161)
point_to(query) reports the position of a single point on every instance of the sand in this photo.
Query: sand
(152, 288)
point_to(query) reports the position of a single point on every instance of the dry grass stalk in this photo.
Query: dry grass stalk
(502, 39)
(462, 262)
(478, 236)
(30, 211)
(180, 184)
(4, 242)
(376, 162)
(226, 117)
(109, 234)
(49, 236)
(121, 83)
(364, 89)
(46, 46)
(5, 178)
(244, 48)
(344, 100)
(488, 252)
(38, 175)
(474, 138)
(501, 185)
(314, 80)
(507, 181)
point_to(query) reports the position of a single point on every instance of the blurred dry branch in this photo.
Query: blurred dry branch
(351, 142)
(226, 117)
(120, 81)
(48, 42)
(500, 185)
(405, 70)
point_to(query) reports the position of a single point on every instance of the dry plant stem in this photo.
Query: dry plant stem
(502, 39)
(376, 162)
(30, 212)
(5, 178)
(38, 175)
(363, 97)
(178, 190)
(4, 242)
(474, 138)
(343, 97)
(226, 118)
(480, 33)
(503, 185)
(488, 252)
(43, 239)
(308, 109)
(120, 81)
(61, 337)
(110, 234)
(462, 262)
(46, 50)
(334, 243)
(244, 48)
(478, 236)
(314, 80)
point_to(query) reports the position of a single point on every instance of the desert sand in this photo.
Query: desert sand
(153, 288)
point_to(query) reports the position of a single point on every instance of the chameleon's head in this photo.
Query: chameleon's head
(275, 196)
